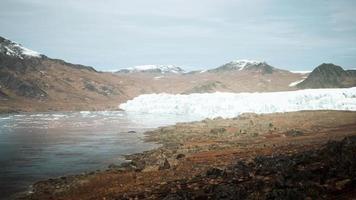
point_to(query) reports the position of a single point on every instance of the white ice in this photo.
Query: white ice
(296, 83)
(210, 105)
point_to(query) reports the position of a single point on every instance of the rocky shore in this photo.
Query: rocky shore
(297, 155)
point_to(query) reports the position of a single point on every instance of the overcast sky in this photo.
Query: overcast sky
(195, 34)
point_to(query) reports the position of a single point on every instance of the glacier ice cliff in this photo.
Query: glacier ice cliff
(210, 105)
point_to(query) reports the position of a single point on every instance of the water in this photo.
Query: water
(39, 146)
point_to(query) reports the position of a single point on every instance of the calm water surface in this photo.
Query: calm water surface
(39, 146)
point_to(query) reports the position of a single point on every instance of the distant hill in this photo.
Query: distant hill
(246, 65)
(328, 75)
(161, 69)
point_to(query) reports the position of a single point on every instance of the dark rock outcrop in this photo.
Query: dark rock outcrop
(3, 95)
(328, 75)
(21, 87)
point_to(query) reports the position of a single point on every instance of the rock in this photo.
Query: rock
(214, 172)
(164, 165)
(340, 185)
(294, 133)
(113, 166)
(180, 156)
(151, 168)
(216, 131)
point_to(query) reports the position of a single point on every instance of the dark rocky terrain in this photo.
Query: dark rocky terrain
(328, 75)
(326, 173)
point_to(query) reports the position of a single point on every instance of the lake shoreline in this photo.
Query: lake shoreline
(40, 146)
(191, 150)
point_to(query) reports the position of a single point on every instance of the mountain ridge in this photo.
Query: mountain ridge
(36, 82)
(246, 65)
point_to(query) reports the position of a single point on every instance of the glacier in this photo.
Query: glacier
(227, 105)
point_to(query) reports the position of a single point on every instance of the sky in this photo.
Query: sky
(193, 34)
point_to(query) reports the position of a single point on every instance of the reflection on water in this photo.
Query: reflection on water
(43, 145)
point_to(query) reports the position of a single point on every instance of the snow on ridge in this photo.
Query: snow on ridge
(160, 68)
(241, 64)
(15, 49)
(296, 82)
(28, 52)
(210, 105)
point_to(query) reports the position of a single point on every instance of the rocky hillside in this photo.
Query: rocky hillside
(328, 75)
(32, 81)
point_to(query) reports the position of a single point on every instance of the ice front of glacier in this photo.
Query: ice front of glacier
(210, 105)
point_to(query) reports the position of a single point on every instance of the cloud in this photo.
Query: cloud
(113, 33)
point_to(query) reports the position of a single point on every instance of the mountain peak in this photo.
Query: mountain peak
(10, 48)
(241, 64)
(153, 69)
(328, 75)
(244, 65)
(329, 67)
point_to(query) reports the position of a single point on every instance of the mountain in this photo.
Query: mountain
(328, 75)
(162, 69)
(13, 49)
(245, 65)
(237, 76)
(31, 81)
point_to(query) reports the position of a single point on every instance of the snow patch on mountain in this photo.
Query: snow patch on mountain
(241, 64)
(233, 104)
(11, 48)
(28, 52)
(296, 83)
(153, 68)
